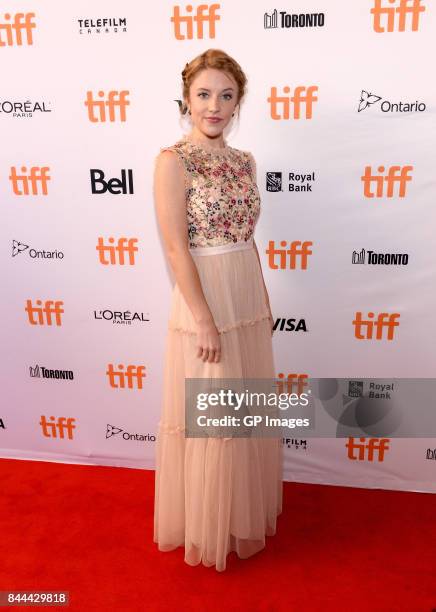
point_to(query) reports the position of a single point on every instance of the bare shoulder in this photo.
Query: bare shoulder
(170, 165)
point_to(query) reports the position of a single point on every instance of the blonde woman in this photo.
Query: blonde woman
(213, 495)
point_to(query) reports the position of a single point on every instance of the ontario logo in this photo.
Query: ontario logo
(369, 99)
(113, 430)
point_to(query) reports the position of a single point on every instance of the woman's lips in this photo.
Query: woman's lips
(213, 119)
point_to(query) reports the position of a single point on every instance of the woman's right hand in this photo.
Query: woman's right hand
(208, 342)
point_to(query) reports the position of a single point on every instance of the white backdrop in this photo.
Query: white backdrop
(346, 73)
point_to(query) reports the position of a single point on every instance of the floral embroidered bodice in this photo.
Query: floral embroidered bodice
(222, 198)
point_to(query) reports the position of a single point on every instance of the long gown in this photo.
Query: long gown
(216, 495)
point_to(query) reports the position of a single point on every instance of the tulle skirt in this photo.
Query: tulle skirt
(216, 495)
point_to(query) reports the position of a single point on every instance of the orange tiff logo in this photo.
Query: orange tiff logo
(394, 18)
(33, 181)
(49, 314)
(280, 106)
(117, 253)
(287, 258)
(185, 23)
(367, 449)
(293, 383)
(129, 379)
(385, 320)
(382, 185)
(112, 100)
(62, 427)
(11, 34)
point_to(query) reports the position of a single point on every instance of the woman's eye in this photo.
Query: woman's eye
(227, 96)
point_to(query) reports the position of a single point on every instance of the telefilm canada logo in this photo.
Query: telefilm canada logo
(371, 100)
(102, 25)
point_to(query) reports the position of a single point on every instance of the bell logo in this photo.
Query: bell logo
(130, 379)
(385, 20)
(97, 108)
(39, 315)
(29, 182)
(204, 13)
(117, 253)
(367, 449)
(384, 320)
(293, 383)
(283, 103)
(395, 174)
(11, 34)
(296, 249)
(57, 428)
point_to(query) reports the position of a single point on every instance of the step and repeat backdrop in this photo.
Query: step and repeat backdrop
(340, 117)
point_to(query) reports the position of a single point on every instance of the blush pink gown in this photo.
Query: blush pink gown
(216, 495)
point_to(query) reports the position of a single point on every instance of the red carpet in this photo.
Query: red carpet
(88, 530)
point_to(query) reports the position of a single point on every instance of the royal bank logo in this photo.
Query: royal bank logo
(274, 181)
(286, 20)
(355, 388)
(368, 100)
(297, 182)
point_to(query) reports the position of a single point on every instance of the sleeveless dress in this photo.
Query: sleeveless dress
(217, 495)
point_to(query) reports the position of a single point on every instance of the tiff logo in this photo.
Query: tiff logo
(293, 383)
(204, 13)
(395, 174)
(384, 17)
(97, 108)
(42, 315)
(117, 253)
(57, 428)
(293, 252)
(33, 181)
(13, 32)
(384, 320)
(368, 449)
(130, 379)
(280, 106)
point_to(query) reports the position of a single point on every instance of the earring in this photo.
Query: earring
(233, 114)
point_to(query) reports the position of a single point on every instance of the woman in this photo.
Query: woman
(213, 495)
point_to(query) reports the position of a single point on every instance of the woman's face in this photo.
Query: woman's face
(213, 94)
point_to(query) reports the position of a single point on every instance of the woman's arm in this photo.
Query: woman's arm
(170, 203)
